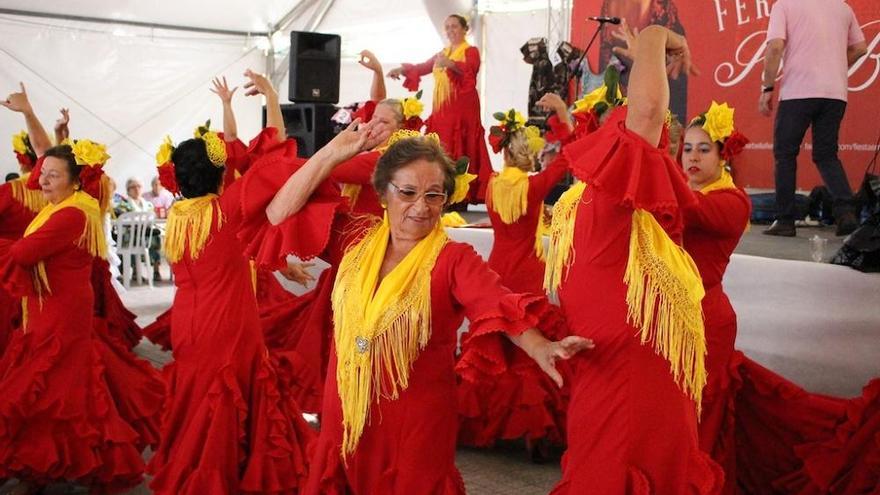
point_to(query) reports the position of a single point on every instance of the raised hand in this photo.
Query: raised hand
(221, 89)
(258, 84)
(678, 57)
(368, 59)
(553, 102)
(442, 61)
(357, 137)
(62, 131)
(18, 102)
(629, 37)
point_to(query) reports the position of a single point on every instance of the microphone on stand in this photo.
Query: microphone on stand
(603, 19)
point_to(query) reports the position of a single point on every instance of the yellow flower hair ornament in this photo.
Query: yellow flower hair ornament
(24, 152)
(412, 107)
(214, 145)
(89, 153)
(463, 180)
(718, 121)
(510, 122)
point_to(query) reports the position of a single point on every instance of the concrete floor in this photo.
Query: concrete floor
(504, 469)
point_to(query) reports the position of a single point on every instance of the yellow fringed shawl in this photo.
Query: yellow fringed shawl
(91, 240)
(442, 86)
(508, 195)
(32, 199)
(189, 223)
(452, 219)
(380, 326)
(560, 254)
(351, 191)
(664, 294)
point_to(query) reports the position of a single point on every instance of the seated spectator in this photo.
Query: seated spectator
(158, 195)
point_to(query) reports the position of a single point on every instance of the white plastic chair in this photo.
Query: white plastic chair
(133, 232)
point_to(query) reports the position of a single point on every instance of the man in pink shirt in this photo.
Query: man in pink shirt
(816, 41)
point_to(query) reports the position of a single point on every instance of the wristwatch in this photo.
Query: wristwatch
(766, 89)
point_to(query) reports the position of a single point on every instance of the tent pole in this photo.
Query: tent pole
(121, 22)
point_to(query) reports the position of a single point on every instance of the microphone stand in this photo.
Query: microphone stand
(577, 70)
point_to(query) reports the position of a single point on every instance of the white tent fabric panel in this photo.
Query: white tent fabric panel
(125, 91)
(236, 15)
(505, 76)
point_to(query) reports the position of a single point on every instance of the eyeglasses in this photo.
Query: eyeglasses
(432, 198)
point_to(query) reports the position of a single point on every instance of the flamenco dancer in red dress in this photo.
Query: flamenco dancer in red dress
(227, 428)
(455, 114)
(524, 403)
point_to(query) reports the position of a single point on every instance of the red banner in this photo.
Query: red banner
(727, 38)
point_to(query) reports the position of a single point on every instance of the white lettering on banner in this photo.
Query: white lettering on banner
(762, 10)
(747, 56)
(873, 55)
(720, 13)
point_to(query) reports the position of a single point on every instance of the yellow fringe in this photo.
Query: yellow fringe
(664, 294)
(32, 199)
(540, 231)
(442, 86)
(560, 253)
(189, 224)
(452, 219)
(380, 327)
(351, 191)
(508, 194)
(91, 240)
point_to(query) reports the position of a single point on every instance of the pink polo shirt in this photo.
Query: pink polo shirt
(817, 34)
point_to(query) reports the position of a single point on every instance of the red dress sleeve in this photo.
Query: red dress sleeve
(540, 184)
(466, 73)
(358, 170)
(304, 234)
(633, 173)
(365, 112)
(412, 73)
(492, 310)
(63, 229)
(724, 212)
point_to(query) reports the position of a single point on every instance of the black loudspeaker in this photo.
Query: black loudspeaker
(314, 67)
(309, 124)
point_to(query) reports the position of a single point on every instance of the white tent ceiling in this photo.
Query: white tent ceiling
(128, 84)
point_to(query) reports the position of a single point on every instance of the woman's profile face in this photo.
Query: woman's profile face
(413, 199)
(454, 30)
(55, 180)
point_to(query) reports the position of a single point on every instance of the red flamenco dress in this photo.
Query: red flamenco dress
(18, 207)
(632, 417)
(455, 114)
(755, 424)
(714, 224)
(525, 402)
(227, 428)
(408, 443)
(58, 420)
(269, 291)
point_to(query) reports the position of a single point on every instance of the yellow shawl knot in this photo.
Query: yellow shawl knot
(379, 326)
(91, 240)
(442, 85)
(723, 182)
(664, 294)
(189, 224)
(32, 199)
(560, 253)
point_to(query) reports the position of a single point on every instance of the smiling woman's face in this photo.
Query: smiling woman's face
(700, 158)
(414, 220)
